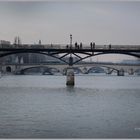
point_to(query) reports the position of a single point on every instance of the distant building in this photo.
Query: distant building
(4, 42)
(17, 40)
(131, 61)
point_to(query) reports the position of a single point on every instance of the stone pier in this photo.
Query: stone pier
(70, 80)
(131, 72)
(120, 72)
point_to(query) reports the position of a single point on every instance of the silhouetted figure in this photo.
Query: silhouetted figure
(91, 45)
(67, 46)
(39, 42)
(78, 46)
(109, 46)
(75, 45)
(81, 45)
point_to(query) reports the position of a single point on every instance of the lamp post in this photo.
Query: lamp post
(70, 41)
(70, 59)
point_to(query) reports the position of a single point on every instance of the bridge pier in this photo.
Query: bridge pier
(120, 72)
(131, 72)
(85, 70)
(70, 80)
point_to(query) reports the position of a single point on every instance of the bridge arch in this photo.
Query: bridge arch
(112, 69)
(43, 53)
(137, 71)
(88, 68)
(45, 69)
(76, 53)
(81, 69)
(102, 53)
(8, 69)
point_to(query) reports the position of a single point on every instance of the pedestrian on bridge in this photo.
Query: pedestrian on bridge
(76, 45)
(109, 46)
(67, 46)
(81, 45)
(91, 45)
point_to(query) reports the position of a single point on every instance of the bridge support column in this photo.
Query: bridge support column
(0, 70)
(131, 72)
(120, 72)
(70, 81)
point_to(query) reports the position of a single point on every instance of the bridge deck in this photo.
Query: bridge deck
(73, 49)
(64, 47)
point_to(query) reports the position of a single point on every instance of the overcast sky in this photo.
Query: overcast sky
(53, 21)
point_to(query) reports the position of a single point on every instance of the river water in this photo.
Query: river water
(43, 107)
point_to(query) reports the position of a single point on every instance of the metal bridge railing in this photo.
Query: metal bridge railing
(66, 46)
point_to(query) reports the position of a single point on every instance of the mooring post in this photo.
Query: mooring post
(70, 81)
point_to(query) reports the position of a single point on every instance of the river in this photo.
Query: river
(35, 106)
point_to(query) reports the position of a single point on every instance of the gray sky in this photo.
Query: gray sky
(53, 21)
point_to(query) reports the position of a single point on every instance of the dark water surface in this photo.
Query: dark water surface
(43, 107)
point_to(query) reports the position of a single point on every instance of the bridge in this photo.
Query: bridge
(66, 53)
(83, 67)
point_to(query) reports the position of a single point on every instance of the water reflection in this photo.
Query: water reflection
(71, 90)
